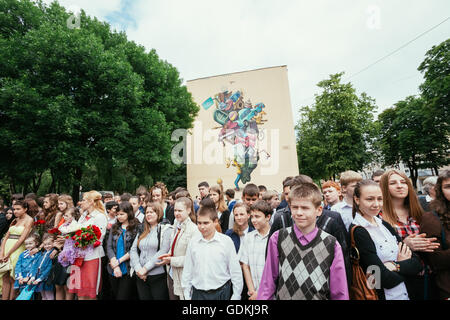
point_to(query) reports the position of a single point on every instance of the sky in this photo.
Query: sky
(315, 39)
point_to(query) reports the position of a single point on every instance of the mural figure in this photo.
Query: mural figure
(239, 122)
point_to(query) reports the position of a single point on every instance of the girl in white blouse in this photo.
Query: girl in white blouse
(379, 245)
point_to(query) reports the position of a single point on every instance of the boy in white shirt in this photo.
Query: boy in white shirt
(348, 181)
(211, 266)
(252, 253)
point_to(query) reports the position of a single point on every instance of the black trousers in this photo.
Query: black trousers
(222, 293)
(153, 288)
(123, 288)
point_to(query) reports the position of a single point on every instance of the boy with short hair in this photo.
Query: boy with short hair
(348, 181)
(262, 189)
(203, 189)
(250, 194)
(229, 193)
(304, 262)
(331, 193)
(271, 197)
(211, 267)
(252, 251)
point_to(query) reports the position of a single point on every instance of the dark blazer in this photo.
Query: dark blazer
(329, 221)
(111, 247)
(368, 257)
(236, 239)
(170, 214)
(223, 221)
(423, 203)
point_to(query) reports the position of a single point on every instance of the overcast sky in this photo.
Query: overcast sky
(314, 39)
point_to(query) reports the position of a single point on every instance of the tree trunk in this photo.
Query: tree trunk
(413, 172)
(12, 187)
(52, 185)
(36, 183)
(76, 185)
(436, 171)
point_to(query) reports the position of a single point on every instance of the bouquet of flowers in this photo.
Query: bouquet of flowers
(39, 226)
(78, 244)
(54, 231)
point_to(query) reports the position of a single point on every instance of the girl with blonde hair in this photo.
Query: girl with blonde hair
(90, 272)
(64, 202)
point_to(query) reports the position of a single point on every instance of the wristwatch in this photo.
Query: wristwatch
(395, 265)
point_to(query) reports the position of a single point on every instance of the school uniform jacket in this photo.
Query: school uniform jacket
(188, 230)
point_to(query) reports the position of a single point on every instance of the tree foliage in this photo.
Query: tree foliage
(74, 99)
(335, 133)
(415, 130)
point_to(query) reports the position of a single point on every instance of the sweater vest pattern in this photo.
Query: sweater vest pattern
(304, 270)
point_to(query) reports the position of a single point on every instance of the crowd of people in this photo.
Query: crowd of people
(303, 243)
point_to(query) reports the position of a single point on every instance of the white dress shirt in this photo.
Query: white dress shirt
(98, 219)
(209, 264)
(387, 250)
(345, 210)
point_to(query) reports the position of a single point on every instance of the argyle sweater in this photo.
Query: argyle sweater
(304, 272)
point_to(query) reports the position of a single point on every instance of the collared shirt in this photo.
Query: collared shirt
(209, 264)
(338, 278)
(253, 253)
(406, 229)
(139, 215)
(345, 210)
(387, 250)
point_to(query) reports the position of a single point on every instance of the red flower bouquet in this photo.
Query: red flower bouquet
(87, 236)
(39, 225)
(54, 231)
(78, 244)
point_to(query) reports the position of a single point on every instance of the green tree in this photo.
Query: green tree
(335, 133)
(436, 111)
(404, 137)
(76, 99)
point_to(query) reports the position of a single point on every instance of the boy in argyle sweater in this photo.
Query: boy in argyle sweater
(304, 262)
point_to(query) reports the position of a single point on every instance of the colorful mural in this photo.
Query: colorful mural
(239, 123)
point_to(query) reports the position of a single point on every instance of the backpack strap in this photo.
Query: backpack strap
(354, 256)
(159, 236)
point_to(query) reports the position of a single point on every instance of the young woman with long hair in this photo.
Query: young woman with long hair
(120, 240)
(153, 242)
(217, 195)
(378, 243)
(65, 202)
(50, 207)
(402, 210)
(13, 245)
(437, 224)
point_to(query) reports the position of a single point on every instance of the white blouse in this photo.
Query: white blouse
(99, 219)
(387, 250)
